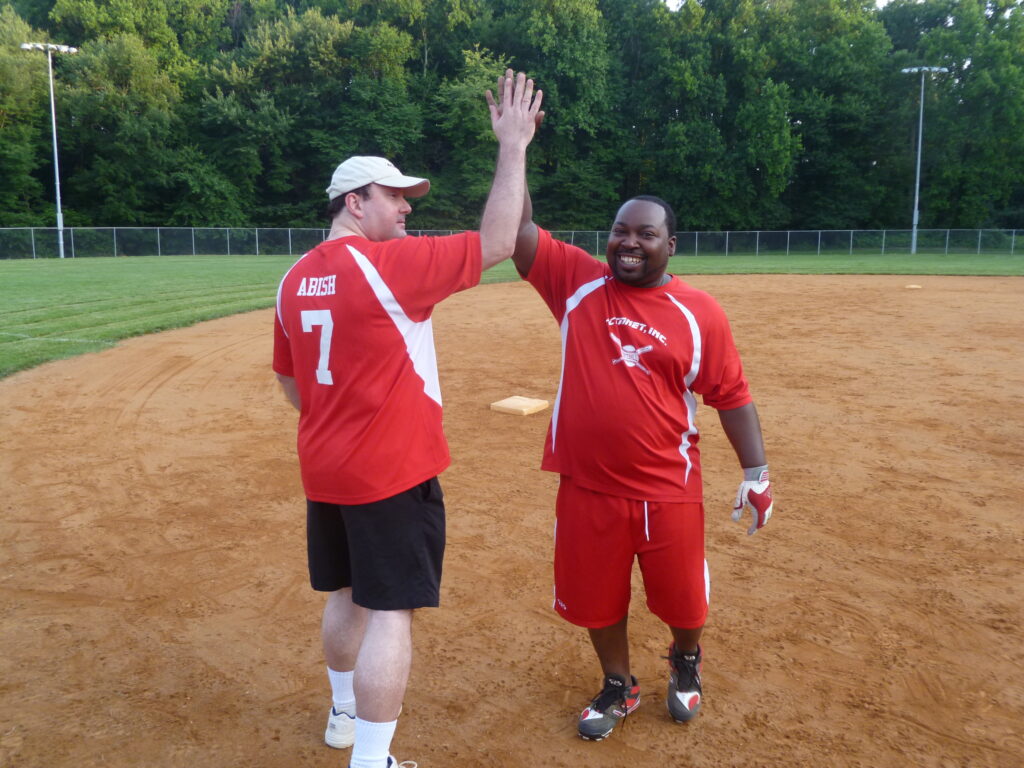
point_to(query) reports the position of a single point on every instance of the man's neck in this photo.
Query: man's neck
(345, 225)
(340, 230)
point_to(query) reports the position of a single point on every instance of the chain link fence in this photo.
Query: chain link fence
(85, 242)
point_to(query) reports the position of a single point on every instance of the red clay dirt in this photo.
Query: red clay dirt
(155, 609)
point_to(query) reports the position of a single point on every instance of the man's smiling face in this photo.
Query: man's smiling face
(639, 244)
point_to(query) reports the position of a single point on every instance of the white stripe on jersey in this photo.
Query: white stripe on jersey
(419, 337)
(571, 303)
(688, 398)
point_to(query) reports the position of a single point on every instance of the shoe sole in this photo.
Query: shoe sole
(686, 719)
(683, 722)
(606, 734)
(596, 736)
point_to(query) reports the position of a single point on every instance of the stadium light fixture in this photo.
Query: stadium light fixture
(920, 141)
(50, 48)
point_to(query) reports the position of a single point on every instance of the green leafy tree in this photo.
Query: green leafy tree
(118, 104)
(200, 26)
(974, 135)
(445, 32)
(758, 147)
(24, 121)
(301, 94)
(35, 12)
(705, 123)
(836, 58)
(648, 133)
(200, 195)
(77, 21)
(564, 45)
(741, 113)
(460, 160)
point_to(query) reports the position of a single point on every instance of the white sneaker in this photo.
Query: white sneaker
(341, 730)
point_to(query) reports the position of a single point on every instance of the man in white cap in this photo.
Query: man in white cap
(354, 351)
(371, 179)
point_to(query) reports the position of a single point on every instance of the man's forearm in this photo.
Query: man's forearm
(527, 237)
(743, 428)
(500, 224)
(514, 121)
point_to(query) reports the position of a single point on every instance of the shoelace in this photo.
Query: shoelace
(611, 694)
(686, 671)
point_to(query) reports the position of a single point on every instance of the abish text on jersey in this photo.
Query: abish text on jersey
(317, 286)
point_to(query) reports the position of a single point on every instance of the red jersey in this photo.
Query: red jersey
(633, 360)
(353, 328)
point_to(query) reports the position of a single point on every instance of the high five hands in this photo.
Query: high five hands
(517, 111)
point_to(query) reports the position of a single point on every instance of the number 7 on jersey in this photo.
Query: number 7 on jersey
(321, 317)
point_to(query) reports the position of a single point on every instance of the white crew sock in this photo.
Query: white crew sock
(342, 694)
(373, 744)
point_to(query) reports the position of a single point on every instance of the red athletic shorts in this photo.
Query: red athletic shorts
(596, 538)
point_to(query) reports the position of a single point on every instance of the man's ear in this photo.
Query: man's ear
(354, 204)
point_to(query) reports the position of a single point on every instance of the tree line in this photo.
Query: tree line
(743, 114)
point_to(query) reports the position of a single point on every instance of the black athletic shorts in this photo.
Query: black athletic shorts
(389, 551)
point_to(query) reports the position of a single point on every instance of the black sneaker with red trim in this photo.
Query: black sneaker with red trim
(613, 703)
(684, 692)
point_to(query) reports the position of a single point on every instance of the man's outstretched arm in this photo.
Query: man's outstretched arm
(514, 121)
(526, 239)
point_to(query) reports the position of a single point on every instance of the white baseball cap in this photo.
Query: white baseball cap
(360, 170)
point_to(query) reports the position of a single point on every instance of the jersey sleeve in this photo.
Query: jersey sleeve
(422, 271)
(558, 269)
(721, 382)
(282, 349)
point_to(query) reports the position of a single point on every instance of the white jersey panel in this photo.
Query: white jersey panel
(573, 301)
(688, 398)
(419, 337)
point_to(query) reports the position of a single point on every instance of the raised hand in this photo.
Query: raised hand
(514, 119)
(516, 113)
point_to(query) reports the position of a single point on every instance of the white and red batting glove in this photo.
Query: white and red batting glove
(755, 494)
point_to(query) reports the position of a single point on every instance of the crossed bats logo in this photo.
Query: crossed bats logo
(630, 355)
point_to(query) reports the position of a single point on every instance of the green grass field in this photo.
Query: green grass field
(52, 308)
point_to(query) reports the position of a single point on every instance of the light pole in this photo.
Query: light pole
(920, 140)
(50, 48)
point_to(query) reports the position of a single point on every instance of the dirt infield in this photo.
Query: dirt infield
(155, 610)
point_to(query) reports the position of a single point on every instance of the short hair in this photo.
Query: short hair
(337, 205)
(670, 215)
